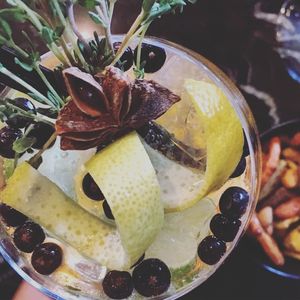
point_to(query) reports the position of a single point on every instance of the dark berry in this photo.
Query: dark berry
(240, 168)
(107, 210)
(48, 112)
(126, 60)
(224, 228)
(211, 250)
(151, 277)
(46, 258)
(161, 140)
(152, 57)
(233, 202)
(91, 189)
(138, 261)
(118, 285)
(42, 132)
(11, 217)
(21, 121)
(246, 151)
(28, 236)
(8, 136)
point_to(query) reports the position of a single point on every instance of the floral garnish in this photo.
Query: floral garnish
(111, 108)
(92, 101)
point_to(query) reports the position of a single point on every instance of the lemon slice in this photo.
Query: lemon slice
(127, 179)
(223, 132)
(44, 202)
(223, 136)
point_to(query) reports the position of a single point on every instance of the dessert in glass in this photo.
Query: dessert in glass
(130, 164)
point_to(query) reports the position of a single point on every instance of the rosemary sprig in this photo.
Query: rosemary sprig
(151, 10)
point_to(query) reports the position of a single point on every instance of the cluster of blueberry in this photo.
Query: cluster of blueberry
(150, 277)
(152, 58)
(225, 225)
(28, 237)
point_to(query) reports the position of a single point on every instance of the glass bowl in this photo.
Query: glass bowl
(180, 63)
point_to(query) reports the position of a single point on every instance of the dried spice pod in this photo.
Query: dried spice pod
(117, 87)
(126, 106)
(86, 92)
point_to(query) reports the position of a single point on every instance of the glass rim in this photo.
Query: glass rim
(251, 133)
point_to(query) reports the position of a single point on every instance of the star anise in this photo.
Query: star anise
(105, 108)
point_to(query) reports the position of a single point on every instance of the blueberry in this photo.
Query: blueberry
(42, 132)
(138, 261)
(211, 250)
(107, 210)
(151, 277)
(240, 168)
(233, 202)
(91, 188)
(21, 121)
(46, 258)
(8, 136)
(28, 236)
(126, 60)
(11, 217)
(152, 57)
(224, 228)
(118, 285)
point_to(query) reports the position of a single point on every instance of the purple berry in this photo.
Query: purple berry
(224, 228)
(11, 217)
(91, 189)
(28, 236)
(152, 57)
(211, 250)
(151, 277)
(46, 258)
(126, 60)
(118, 285)
(233, 202)
(42, 132)
(21, 121)
(240, 168)
(107, 210)
(8, 136)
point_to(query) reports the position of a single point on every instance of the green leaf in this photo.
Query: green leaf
(58, 31)
(90, 4)
(3, 40)
(48, 112)
(13, 14)
(96, 18)
(147, 5)
(36, 98)
(29, 40)
(52, 98)
(47, 35)
(3, 117)
(25, 66)
(23, 144)
(11, 2)
(9, 167)
(5, 29)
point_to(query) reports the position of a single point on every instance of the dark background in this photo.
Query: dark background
(228, 34)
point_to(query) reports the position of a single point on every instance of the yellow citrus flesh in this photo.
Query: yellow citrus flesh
(41, 200)
(127, 179)
(222, 132)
